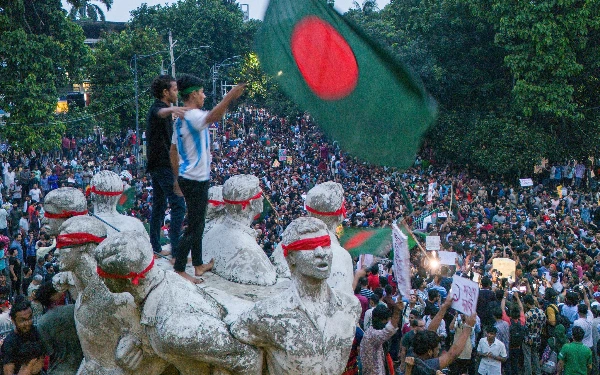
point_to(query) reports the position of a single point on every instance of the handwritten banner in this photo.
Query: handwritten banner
(401, 260)
(447, 258)
(506, 266)
(464, 295)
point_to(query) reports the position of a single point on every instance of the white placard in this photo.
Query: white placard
(442, 214)
(525, 182)
(401, 260)
(432, 242)
(464, 295)
(506, 266)
(364, 260)
(447, 257)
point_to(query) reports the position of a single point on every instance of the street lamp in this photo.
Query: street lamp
(215, 76)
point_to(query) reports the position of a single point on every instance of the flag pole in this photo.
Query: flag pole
(403, 222)
(271, 204)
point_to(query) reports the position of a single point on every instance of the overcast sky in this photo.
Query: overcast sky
(121, 8)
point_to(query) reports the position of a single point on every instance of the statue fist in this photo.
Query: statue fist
(129, 352)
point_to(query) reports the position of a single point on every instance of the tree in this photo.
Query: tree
(40, 51)
(86, 10)
(112, 77)
(193, 23)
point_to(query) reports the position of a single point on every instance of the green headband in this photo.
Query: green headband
(191, 89)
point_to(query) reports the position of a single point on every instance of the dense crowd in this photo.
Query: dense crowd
(550, 230)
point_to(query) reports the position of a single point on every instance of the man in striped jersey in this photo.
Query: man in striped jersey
(190, 161)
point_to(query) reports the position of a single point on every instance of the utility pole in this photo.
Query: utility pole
(171, 45)
(137, 111)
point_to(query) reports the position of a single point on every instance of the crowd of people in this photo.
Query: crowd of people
(545, 319)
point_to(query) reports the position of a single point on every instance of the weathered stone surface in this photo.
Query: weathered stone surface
(183, 324)
(232, 243)
(65, 202)
(216, 207)
(103, 320)
(309, 328)
(105, 206)
(326, 198)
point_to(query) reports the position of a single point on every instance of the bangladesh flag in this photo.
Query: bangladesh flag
(358, 92)
(375, 241)
(126, 201)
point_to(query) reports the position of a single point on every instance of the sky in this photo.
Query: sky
(121, 8)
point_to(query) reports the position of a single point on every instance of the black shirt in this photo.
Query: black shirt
(158, 133)
(17, 347)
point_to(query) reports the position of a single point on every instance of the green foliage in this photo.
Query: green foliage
(86, 10)
(41, 50)
(262, 91)
(194, 23)
(516, 81)
(112, 77)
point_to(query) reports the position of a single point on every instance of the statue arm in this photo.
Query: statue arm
(248, 330)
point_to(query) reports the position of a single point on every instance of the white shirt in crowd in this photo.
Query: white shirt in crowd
(491, 366)
(586, 325)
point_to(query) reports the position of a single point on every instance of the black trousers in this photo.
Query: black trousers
(196, 200)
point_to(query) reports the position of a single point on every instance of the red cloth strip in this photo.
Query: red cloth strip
(75, 239)
(105, 193)
(246, 202)
(340, 211)
(307, 244)
(64, 214)
(135, 277)
(215, 203)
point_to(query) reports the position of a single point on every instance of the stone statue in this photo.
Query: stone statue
(232, 243)
(216, 207)
(183, 325)
(309, 328)
(106, 189)
(60, 205)
(326, 202)
(108, 325)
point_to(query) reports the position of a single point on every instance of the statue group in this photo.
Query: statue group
(292, 314)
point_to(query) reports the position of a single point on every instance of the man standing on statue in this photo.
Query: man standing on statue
(164, 183)
(190, 161)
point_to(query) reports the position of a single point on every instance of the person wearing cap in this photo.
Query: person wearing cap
(308, 328)
(190, 161)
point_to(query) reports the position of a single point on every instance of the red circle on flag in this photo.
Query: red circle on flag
(324, 59)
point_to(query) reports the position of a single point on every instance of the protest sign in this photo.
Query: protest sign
(282, 154)
(364, 260)
(432, 242)
(525, 182)
(447, 258)
(401, 260)
(505, 266)
(276, 164)
(464, 295)
(443, 214)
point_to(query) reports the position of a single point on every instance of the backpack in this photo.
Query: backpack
(560, 318)
(517, 334)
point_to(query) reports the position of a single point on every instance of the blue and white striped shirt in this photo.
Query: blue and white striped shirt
(192, 138)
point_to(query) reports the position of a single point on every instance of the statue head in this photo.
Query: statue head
(216, 206)
(124, 259)
(60, 205)
(326, 202)
(76, 236)
(242, 195)
(106, 188)
(307, 248)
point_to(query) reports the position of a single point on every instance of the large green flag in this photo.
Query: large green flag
(358, 92)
